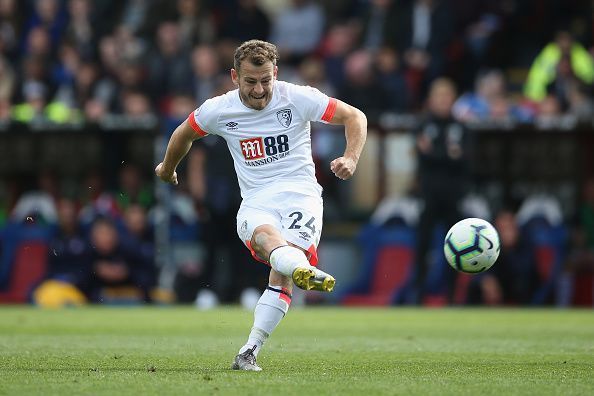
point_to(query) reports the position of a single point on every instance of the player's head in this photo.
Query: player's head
(254, 71)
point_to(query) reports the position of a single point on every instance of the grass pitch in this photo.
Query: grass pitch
(315, 351)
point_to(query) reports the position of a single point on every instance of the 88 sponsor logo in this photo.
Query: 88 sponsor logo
(257, 148)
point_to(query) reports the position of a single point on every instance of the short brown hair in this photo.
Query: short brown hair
(257, 52)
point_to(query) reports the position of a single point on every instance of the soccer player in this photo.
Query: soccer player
(266, 124)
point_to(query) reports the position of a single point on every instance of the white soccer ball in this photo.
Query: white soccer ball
(471, 245)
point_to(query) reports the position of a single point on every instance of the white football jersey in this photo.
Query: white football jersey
(271, 148)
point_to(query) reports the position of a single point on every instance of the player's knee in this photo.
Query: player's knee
(264, 239)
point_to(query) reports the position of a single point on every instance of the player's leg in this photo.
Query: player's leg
(270, 310)
(289, 259)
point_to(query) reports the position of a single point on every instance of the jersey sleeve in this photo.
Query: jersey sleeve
(203, 119)
(314, 105)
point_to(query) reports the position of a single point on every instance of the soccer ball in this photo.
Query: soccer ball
(471, 245)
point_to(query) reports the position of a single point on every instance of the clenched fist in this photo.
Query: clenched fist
(166, 176)
(343, 167)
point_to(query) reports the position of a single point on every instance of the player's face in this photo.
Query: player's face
(255, 83)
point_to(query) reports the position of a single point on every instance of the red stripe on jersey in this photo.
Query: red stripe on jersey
(330, 110)
(195, 126)
(285, 296)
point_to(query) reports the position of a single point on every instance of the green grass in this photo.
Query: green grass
(321, 351)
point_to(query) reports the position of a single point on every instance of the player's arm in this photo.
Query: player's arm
(355, 129)
(178, 146)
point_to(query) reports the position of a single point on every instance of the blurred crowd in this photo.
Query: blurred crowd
(82, 61)
(74, 60)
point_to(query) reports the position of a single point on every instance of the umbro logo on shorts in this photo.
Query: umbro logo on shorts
(231, 126)
(304, 235)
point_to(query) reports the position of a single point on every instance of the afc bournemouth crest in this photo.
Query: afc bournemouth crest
(284, 117)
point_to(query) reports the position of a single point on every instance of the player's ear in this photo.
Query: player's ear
(234, 77)
(275, 71)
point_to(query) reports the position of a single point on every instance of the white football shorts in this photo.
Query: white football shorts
(297, 216)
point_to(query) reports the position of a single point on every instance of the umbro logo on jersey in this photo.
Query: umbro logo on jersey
(231, 126)
(284, 117)
(304, 235)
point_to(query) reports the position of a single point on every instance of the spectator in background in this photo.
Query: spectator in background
(421, 34)
(135, 15)
(195, 22)
(298, 29)
(245, 20)
(137, 106)
(40, 202)
(96, 200)
(9, 28)
(389, 73)
(138, 234)
(206, 72)
(33, 108)
(378, 19)
(339, 42)
(443, 175)
(115, 265)
(513, 280)
(559, 60)
(80, 32)
(7, 80)
(167, 63)
(68, 255)
(132, 188)
(362, 88)
(49, 16)
(489, 102)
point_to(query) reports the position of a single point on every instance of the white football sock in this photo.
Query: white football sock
(285, 259)
(271, 308)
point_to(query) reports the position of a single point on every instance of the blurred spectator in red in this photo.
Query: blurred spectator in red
(559, 61)
(297, 30)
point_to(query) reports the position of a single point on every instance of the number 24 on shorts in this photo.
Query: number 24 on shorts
(297, 217)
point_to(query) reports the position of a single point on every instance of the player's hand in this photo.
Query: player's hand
(343, 167)
(169, 177)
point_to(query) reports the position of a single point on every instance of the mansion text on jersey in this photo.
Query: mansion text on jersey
(267, 160)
